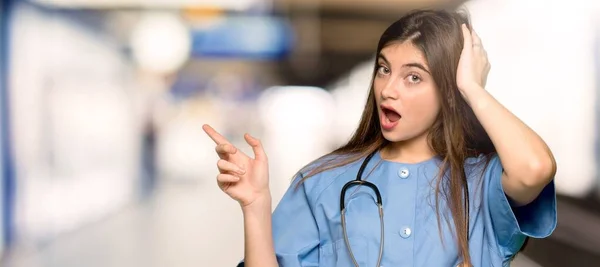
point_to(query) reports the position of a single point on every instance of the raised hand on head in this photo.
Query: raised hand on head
(474, 66)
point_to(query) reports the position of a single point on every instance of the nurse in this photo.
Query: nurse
(438, 172)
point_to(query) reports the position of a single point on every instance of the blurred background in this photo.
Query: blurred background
(104, 162)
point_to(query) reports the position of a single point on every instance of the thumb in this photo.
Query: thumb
(467, 38)
(259, 152)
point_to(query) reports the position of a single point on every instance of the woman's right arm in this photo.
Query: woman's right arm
(289, 237)
(246, 180)
(258, 237)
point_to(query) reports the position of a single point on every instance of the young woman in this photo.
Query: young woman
(438, 172)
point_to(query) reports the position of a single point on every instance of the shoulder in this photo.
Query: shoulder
(480, 164)
(316, 184)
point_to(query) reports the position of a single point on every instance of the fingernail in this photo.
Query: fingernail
(241, 171)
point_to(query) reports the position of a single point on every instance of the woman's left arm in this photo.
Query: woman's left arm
(527, 161)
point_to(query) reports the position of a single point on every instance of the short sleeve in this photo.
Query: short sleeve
(295, 232)
(512, 225)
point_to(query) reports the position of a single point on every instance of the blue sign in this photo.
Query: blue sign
(255, 37)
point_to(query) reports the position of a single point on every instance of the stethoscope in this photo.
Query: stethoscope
(358, 181)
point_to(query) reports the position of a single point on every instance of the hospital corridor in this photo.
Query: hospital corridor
(104, 162)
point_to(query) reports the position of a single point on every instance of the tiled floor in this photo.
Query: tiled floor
(186, 224)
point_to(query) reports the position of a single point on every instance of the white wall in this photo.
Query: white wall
(542, 56)
(76, 137)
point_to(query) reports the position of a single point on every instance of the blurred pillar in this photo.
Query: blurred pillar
(597, 103)
(298, 128)
(6, 167)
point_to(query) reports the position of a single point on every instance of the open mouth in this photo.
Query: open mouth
(389, 118)
(390, 115)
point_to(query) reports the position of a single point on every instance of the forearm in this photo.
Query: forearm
(523, 153)
(258, 236)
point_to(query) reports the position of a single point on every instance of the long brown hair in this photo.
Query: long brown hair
(454, 136)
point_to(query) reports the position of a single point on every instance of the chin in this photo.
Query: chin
(402, 135)
(395, 137)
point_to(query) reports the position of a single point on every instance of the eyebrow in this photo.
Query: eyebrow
(407, 65)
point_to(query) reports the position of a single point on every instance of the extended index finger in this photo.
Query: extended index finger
(214, 135)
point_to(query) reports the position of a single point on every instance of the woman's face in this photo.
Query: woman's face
(406, 95)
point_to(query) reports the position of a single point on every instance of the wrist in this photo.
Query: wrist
(261, 204)
(472, 94)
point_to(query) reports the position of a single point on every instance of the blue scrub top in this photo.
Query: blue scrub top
(307, 227)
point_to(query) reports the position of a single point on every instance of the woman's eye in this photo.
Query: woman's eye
(414, 78)
(383, 70)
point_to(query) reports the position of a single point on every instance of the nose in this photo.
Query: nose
(390, 91)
